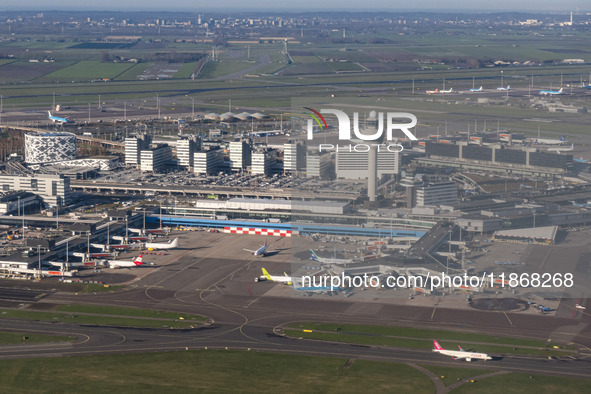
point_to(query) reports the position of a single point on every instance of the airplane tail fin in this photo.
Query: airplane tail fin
(461, 350)
(437, 345)
(560, 91)
(49, 113)
(138, 261)
(266, 274)
(436, 90)
(508, 87)
(313, 255)
(174, 243)
(563, 136)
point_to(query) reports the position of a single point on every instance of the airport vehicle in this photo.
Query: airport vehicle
(162, 245)
(551, 92)
(548, 141)
(432, 91)
(326, 260)
(277, 278)
(562, 148)
(446, 90)
(460, 354)
(126, 263)
(262, 251)
(57, 119)
(504, 89)
(477, 90)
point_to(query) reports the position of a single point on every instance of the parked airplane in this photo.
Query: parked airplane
(461, 354)
(432, 91)
(162, 245)
(262, 251)
(446, 91)
(325, 260)
(128, 264)
(551, 92)
(477, 90)
(275, 278)
(502, 88)
(579, 306)
(562, 148)
(57, 119)
(548, 141)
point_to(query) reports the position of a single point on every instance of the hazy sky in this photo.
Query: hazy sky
(229, 5)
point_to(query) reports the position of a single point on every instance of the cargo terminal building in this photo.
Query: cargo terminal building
(496, 159)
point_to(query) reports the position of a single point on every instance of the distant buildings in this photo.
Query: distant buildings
(240, 155)
(42, 148)
(185, 149)
(208, 161)
(262, 162)
(53, 189)
(133, 147)
(156, 158)
(319, 166)
(294, 157)
(354, 165)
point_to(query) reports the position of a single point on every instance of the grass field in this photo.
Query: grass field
(186, 70)
(132, 73)
(88, 70)
(121, 319)
(13, 338)
(217, 69)
(450, 375)
(514, 383)
(422, 339)
(122, 311)
(200, 371)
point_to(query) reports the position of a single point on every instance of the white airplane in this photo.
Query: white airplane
(477, 90)
(548, 141)
(57, 119)
(562, 148)
(551, 92)
(262, 251)
(502, 88)
(446, 91)
(275, 278)
(432, 91)
(162, 245)
(127, 264)
(461, 354)
(325, 260)
(579, 306)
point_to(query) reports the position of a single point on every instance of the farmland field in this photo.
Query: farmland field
(87, 70)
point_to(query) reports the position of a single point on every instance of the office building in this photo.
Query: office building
(208, 161)
(262, 162)
(155, 159)
(41, 148)
(133, 148)
(240, 155)
(53, 189)
(294, 157)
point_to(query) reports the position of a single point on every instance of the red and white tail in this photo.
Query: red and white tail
(138, 261)
(461, 350)
(437, 345)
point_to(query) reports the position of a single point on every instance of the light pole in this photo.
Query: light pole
(193, 111)
(39, 254)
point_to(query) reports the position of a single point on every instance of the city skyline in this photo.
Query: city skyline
(345, 5)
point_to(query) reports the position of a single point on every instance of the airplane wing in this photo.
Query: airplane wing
(251, 251)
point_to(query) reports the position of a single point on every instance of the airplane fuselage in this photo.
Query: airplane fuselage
(468, 356)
